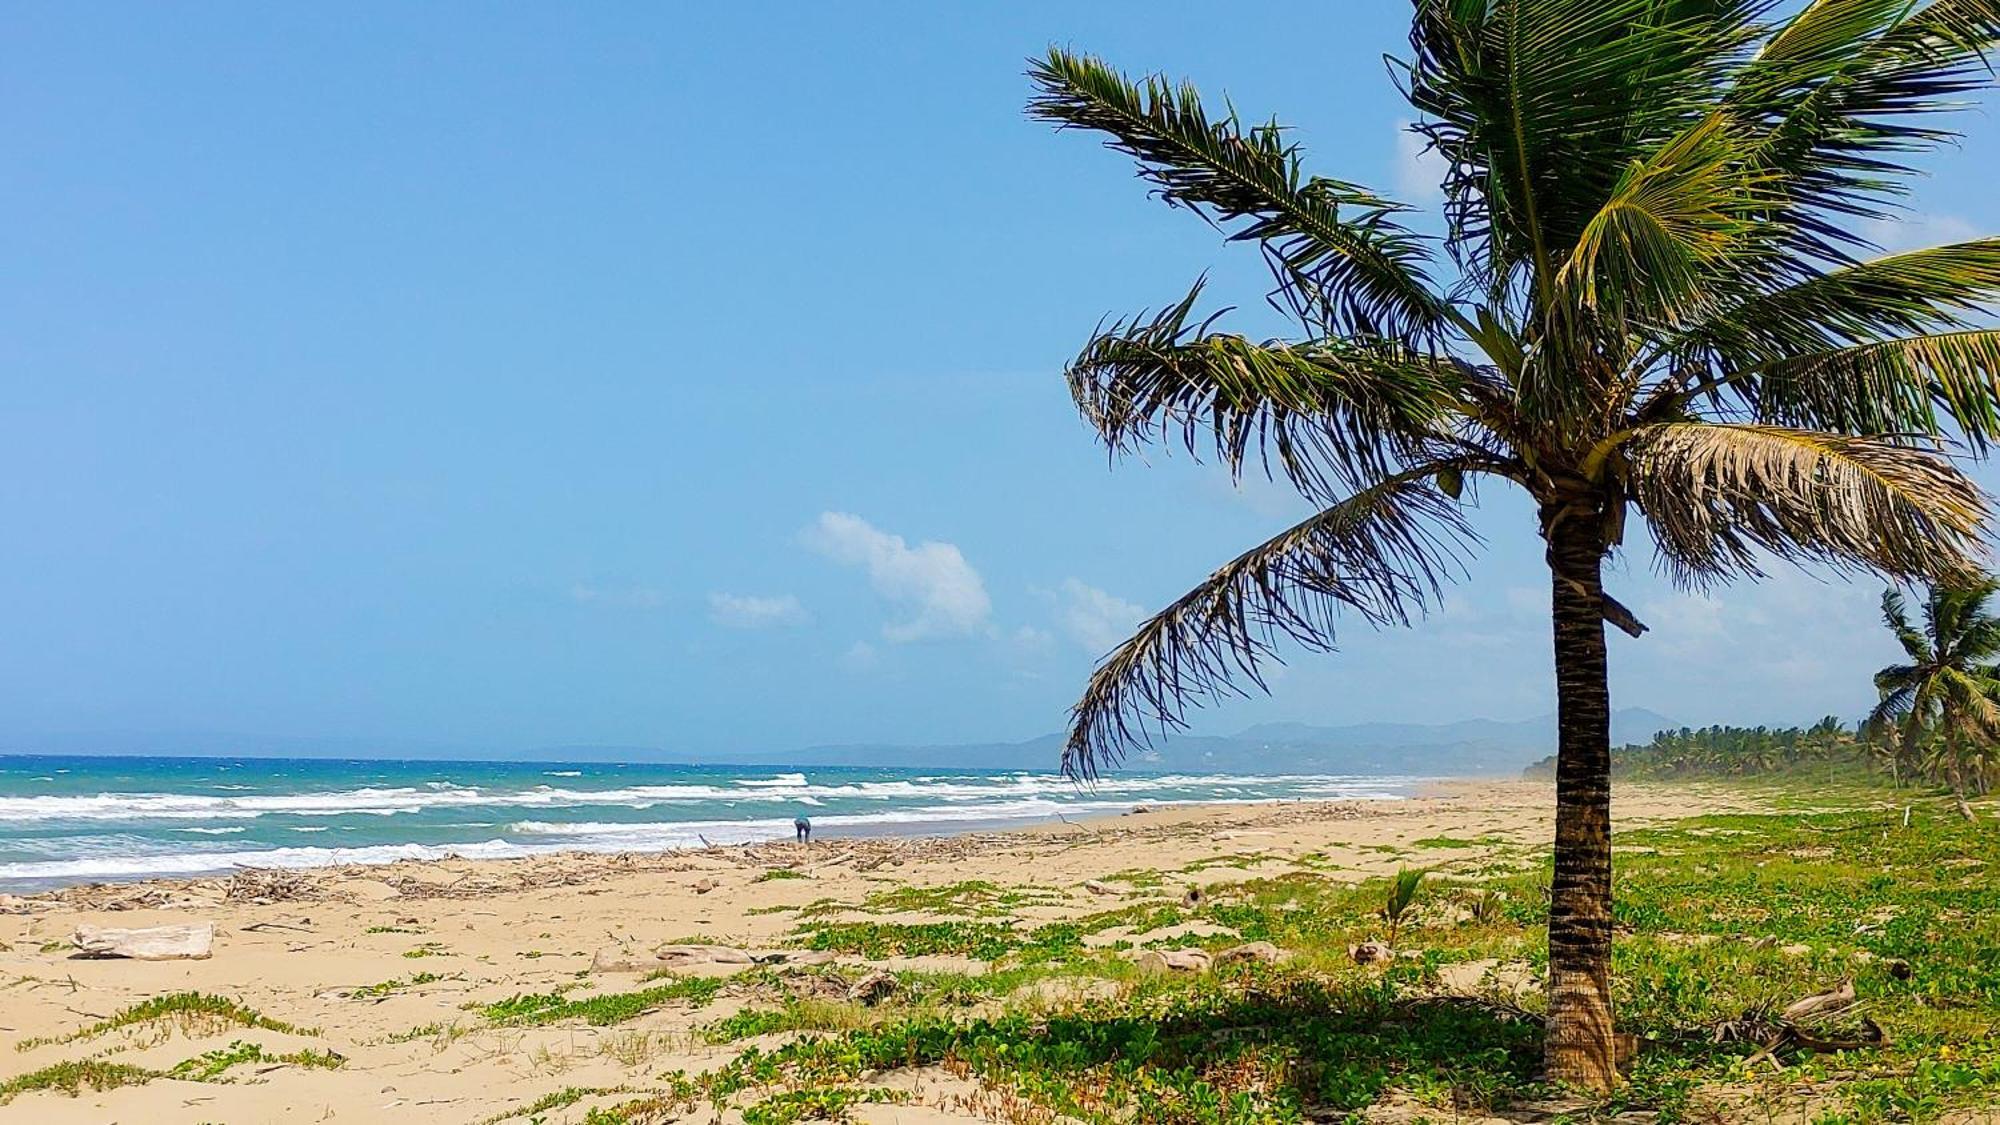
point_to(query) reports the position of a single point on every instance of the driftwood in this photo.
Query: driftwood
(1172, 960)
(193, 942)
(1786, 1032)
(1821, 1003)
(1370, 953)
(874, 988)
(1254, 952)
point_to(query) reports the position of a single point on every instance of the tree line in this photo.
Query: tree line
(1936, 720)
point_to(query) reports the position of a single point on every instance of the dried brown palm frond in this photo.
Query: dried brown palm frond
(1716, 495)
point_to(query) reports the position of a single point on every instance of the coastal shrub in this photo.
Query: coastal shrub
(389, 987)
(194, 1012)
(73, 1078)
(817, 1104)
(210, 1065)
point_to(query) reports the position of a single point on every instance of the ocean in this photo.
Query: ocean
(76, 819)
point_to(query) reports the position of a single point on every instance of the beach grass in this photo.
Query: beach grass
(603, 1009)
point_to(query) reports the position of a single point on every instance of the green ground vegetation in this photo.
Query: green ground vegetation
(1723, 922)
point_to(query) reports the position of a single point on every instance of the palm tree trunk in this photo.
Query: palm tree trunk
(1580, 1047)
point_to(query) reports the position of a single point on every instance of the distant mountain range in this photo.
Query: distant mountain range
(1471, 747)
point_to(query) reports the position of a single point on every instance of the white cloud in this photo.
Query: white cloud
(754, 611)
(1917, 231)
(626, 597)
(938, 593)
(1031, 638)
(1094, 619)
(1420, 170)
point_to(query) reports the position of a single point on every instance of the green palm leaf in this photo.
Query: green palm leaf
(1908, 294)
(1911, 385)
(1351, 407)
(1382, 553)
(1338, 251)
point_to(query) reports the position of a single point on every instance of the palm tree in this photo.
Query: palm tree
(1650, 297)
(1946, 692)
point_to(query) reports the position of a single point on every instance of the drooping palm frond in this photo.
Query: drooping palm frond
(1672, 222)
(1918, 293)
(1339, 252)
(1920, 384)
(1334, 407)
(1384, 553)
(1962, 632)
(1716, 495)
(1967, 697)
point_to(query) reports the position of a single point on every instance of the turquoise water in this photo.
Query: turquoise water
(72, 819)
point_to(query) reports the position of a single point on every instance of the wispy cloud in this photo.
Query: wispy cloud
(1917, 231)
(860, 657)
(754, 611)
(935, 592)
(1094, 619)
(619, 597)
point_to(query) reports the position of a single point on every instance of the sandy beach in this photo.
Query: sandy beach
(385, 966)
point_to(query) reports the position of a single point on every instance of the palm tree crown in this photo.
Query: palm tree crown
(1650, 209)
(1948, 686)
(1650, 298)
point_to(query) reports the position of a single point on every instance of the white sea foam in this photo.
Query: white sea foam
(1012, 800)
(783, 789)
(188, 863)
(132, 835)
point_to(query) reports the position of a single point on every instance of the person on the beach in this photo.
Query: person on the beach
(804, 828)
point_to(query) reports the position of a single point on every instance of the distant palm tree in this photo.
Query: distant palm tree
(1945, 694)
(1652, 298)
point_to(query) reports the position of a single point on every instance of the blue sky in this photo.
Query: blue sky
(509, 376)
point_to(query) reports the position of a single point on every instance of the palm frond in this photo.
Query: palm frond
(1897, 677)
(1340, 254)
(1896, 703)
(1330, 407)
(1845, 91)
(1955, 616)
(1896, 615)
(1917, 293)
(1383, 553)
(1540, 106)
(1672, 222)
(1911, 385)
(1968, 702)
(1715, 496)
